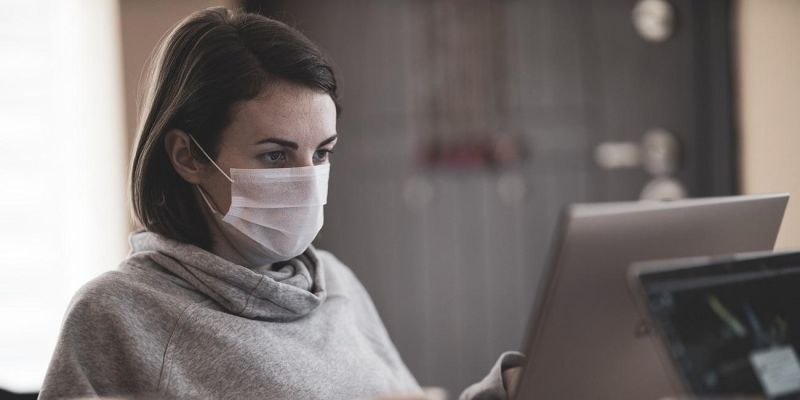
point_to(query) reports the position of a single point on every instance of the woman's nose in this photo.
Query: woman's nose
(303, 160)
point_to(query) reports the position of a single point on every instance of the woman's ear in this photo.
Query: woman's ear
(177, 144)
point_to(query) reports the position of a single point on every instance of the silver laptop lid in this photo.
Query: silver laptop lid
(583, 340)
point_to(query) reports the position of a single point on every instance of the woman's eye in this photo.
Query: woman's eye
(276, 156)
(322, 155)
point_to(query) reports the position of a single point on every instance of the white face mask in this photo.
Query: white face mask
(275, 213)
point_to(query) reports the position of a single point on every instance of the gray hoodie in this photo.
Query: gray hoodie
(176, 321)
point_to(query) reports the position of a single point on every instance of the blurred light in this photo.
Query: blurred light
(62, 218)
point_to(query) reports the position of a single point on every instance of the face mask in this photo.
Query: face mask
(275, 213)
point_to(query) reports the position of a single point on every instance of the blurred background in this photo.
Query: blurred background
(467, 126)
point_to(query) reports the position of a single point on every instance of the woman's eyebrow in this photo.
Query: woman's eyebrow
(328, 140)
(284, 143)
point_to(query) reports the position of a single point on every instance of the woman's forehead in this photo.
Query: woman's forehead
(285, 111)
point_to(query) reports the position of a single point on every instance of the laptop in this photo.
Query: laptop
(586, 338)
(728, 326)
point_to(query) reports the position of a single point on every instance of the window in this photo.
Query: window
(62, 170)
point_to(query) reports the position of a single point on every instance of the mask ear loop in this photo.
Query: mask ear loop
(209, 158)
(200, 189)
(208, 202)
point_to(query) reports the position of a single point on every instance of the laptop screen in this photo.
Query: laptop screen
(732, 328)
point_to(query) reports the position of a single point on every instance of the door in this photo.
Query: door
(658, 77)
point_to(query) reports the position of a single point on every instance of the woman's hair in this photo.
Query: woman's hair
(206, 63)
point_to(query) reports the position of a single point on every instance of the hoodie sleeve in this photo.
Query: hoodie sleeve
(342, 280)
(492, 386)
(98, 352)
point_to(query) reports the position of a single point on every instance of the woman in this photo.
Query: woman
(223, 294)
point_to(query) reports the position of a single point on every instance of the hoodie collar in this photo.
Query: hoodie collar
(284, 291)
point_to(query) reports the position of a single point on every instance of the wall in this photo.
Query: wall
(769, 104)
(143, 22)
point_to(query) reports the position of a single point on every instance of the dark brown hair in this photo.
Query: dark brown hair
(207, 62)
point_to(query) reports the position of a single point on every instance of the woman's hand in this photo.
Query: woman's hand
(511, 378)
